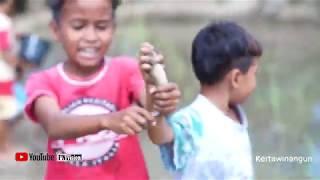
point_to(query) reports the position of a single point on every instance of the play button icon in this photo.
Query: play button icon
(22, 156)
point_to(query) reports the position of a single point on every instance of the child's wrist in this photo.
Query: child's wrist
(104, 123)
(158, 121)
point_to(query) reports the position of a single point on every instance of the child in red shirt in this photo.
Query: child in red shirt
(85, 103)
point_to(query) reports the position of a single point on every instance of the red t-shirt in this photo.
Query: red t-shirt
(105, 155)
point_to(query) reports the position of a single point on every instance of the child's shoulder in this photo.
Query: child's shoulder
(187, 120)
(124, 65)
(186, 115)
(124, 61)
(184, 111)
(44, 74)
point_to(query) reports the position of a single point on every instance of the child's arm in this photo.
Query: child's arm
(6, 45)
(63, 126)
(164, 98)
(161, 133)
(11, 59)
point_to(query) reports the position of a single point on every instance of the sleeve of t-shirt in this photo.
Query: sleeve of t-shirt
(37, 86)
(135, 79)
(186, 130)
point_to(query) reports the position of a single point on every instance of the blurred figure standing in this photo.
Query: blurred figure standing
(8, 64)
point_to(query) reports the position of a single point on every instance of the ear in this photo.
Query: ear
(54, 26)
(235, 77)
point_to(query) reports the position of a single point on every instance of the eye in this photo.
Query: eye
(103, 25)
(77, 25)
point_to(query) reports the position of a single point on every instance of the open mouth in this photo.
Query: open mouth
(89, 53)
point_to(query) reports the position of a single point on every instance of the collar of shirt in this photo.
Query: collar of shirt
(206, 107)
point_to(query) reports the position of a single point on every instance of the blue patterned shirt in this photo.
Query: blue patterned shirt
(208, 144)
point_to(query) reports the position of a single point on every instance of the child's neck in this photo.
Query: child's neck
(219, 96)
(81, 73)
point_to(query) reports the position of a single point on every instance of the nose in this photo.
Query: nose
(91, 35)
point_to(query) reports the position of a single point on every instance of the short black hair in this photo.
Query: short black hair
(221, 47)
(57, 5)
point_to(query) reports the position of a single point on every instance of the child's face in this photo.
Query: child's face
(246, 84)
(85, 29)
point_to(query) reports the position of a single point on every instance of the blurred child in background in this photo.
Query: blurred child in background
(8, 63)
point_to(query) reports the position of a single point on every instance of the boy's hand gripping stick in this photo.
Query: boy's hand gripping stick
(159, 77)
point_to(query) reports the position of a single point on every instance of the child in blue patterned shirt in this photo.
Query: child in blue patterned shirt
(208, 139)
